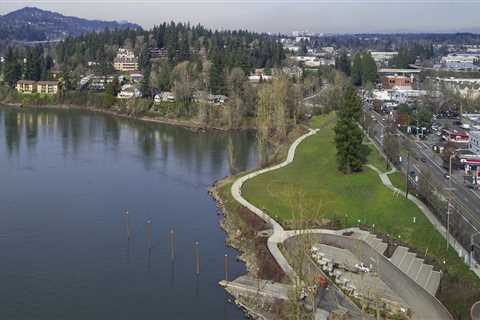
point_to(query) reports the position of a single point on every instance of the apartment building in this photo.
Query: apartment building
(125, 61)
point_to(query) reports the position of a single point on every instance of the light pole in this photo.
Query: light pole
(450, 189)
(407, 173)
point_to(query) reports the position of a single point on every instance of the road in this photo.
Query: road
(422, 160)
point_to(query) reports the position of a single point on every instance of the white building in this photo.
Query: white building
(398, 95)
(129, 91)
(125, 61)
(165, 96)
(382, 57)
(461, 61)
(474, 143)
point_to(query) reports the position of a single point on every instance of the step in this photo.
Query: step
(414, 268)
(382, 247)
(433, 282)
(407, 260)
(398, 255)
(424, 274)
(371, 240)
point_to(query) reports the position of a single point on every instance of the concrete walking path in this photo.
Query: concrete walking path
(280, 235)
(463, 254)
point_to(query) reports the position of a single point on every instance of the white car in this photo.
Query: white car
(362, 267)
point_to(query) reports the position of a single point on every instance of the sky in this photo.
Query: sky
(325, 16)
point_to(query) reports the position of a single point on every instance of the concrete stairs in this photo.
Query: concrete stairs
(371, 240)
(416, 269)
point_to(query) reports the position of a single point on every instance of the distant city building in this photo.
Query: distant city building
(382, 58)
(398, 72)
(398, 96)
(461, 61)
(125, 61)
(474, 143)
(397, 82)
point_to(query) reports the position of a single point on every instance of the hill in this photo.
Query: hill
(33, 24)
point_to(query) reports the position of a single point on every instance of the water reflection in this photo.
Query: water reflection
(79, 131)
(65, 251)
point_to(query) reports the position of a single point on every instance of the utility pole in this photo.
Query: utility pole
(450, 189)
(407, 173)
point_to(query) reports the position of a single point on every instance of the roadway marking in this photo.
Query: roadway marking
(476, 194)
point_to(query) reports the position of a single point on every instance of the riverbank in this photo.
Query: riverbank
(248, 234)
(119, 112)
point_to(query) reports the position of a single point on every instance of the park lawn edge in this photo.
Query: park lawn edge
(455, 271)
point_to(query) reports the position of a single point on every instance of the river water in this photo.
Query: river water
(66, 179)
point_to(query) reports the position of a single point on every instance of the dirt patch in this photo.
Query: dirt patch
(255, 223)
(268, 269)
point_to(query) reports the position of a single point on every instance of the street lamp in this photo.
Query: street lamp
(450, 189)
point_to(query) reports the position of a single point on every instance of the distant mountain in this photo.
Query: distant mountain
(33, 24)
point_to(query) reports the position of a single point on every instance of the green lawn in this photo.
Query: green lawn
(375, 158)
(318, 121)
(312, 187)
(398, 180)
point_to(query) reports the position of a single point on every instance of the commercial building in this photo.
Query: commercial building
(397, 82)
(382, 58)
(125, 61)
(461, 61)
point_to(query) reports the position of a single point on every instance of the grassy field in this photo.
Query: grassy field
(398, 180)
(311, 188)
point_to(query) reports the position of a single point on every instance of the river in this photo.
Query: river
(67, 177)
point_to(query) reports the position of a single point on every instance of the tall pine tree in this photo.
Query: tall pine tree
(348, 135)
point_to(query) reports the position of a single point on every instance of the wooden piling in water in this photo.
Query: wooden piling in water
(127, 223)
(197, 257)
(172, 244)
(149, 233)
(226, 266)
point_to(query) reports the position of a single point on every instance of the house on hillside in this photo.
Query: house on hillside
(25, 86)
(125, 61)
(47, 87)
(129, 91)
(165, 96)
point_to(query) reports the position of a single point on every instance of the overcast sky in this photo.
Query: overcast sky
(337, 16)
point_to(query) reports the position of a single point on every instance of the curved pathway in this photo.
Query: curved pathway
(279, 234)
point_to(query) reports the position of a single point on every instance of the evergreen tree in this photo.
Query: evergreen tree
(217, 81)
(145, 83)
(348, 135)
(357, 70)
(12, 68)
(342, 63)
(369, 69)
